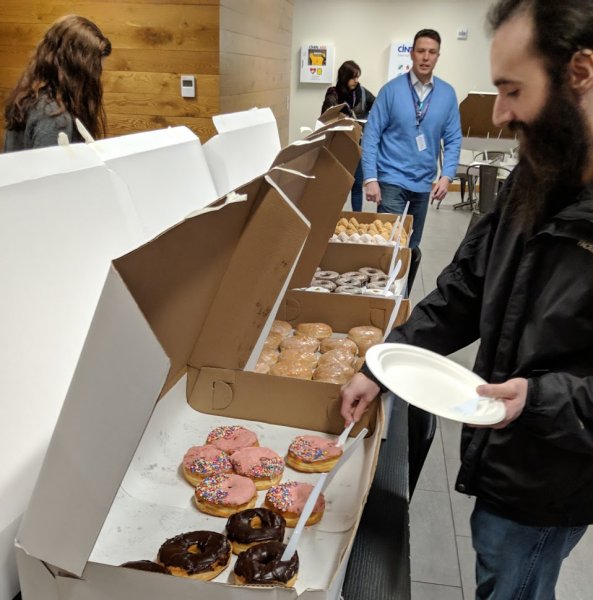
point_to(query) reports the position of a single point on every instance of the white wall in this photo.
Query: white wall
(363, 30)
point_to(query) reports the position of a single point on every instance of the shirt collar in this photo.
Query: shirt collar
(416, 81)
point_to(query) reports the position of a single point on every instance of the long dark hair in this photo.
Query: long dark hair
(347, 71)
(66, 67)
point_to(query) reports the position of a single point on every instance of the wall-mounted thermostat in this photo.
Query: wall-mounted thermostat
(188, 86)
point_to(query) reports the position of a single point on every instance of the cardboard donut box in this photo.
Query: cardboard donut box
(169, 313)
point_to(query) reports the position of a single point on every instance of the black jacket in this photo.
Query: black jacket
(358, 103)
(531, 304)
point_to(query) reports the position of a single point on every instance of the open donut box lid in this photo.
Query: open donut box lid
(167, 309)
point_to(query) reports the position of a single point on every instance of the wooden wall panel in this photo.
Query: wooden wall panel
(239, 51)
(255, 61)
(154, 42)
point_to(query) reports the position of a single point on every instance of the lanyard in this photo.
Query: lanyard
(420, 107)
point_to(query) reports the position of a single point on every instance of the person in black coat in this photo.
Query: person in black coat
(521, 282)
(358, 101)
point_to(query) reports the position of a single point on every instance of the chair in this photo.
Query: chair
(490, 177)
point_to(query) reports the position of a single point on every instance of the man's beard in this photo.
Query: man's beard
(554, 149)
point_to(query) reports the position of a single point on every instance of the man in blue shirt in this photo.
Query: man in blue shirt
(412, 114)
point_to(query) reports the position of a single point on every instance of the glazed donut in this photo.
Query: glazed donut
(334, 343)
(197, 554)
(261, 565)
(334, 372)
(358, 364)
(297, 355)
(330, 275)
(371, 272)
(298, 369)
(229, 438)
(254, 526)
(261, 367)
(269, 357)
(272, 341)
(337, 355)
(262, 465)
(288, 499)
(281, 327)
(202, 461)
(365, 336)
(319, 331)
(313, 454)
(348, 289)
(225, 494)
(355, 275)
(145, 565)
(351, 281)
(302, 342)
(324, 283)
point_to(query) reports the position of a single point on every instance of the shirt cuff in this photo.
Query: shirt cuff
(369, 180)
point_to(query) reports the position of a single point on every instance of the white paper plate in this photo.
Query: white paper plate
(433, 383)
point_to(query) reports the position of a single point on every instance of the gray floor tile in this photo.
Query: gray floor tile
(467, 559)
(433, 476)
(432, 539)
(428, 591)
(576, 576)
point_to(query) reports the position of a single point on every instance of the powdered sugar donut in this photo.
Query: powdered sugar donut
(348, 289)
(352, 281)
(371, 272)
(324, 283)
(329, 275)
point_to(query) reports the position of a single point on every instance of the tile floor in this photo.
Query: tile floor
(442, 558)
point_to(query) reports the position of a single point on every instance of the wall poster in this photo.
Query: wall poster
(400, 61)
(317, 63)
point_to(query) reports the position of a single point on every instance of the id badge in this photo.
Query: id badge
(421, 142)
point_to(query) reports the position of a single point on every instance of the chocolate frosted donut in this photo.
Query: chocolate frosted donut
(145, 565)
(351, 281)
(330, 275)
(324, 283)
(370, 272)
(261, 565)
(253, 526)
(348, 289)
(197, 554)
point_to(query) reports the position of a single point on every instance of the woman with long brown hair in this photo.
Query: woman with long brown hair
(61, 82)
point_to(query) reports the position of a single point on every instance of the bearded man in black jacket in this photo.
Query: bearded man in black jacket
(522, 283)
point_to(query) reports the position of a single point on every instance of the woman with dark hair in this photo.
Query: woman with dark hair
(358, 101)
(61, 82)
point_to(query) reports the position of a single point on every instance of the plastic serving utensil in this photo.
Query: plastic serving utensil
(321, 484)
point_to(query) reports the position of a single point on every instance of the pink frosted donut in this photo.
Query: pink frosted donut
(202, 461)
(231, 437)
(225, 494)
(262, 465)
(288, 500)
(312, 454)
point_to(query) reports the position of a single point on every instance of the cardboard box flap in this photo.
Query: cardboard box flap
(117, 381)
(205, 277)
(286, 401)
(230, 155)
(333, 113)
(343, 141)
(475, 111)
(166, 174)
(341, 311)
(320, 199)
